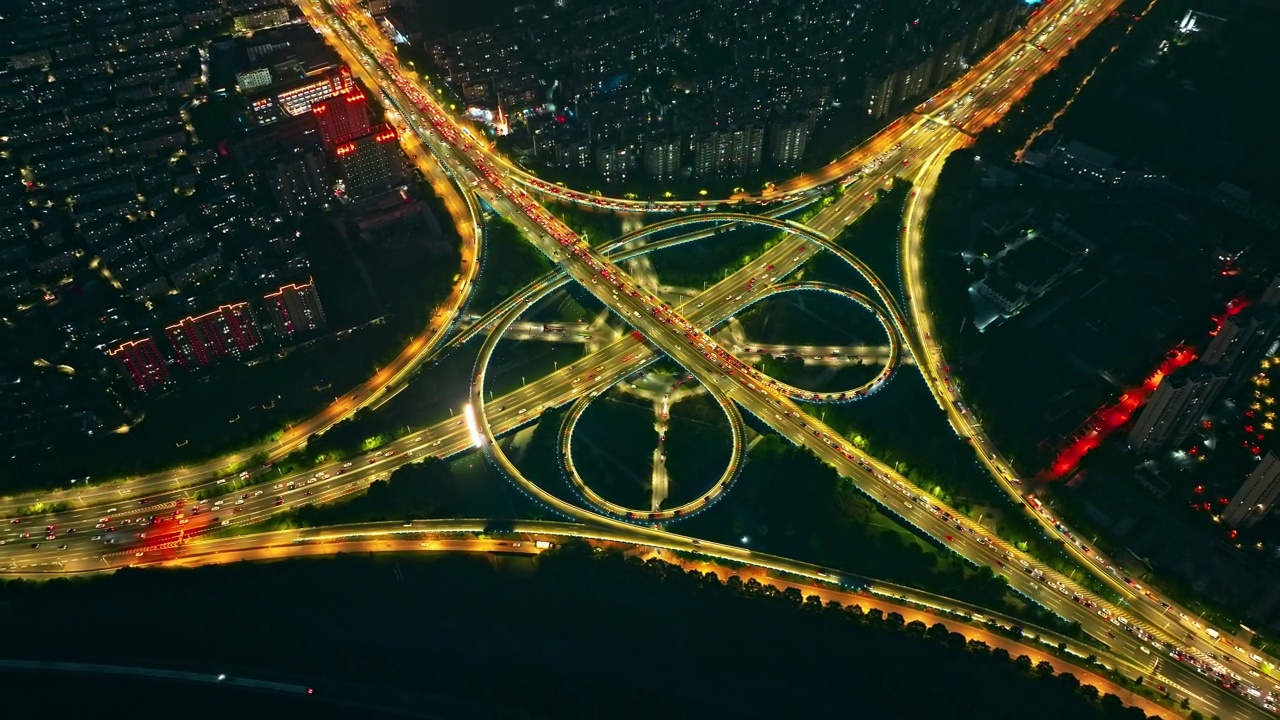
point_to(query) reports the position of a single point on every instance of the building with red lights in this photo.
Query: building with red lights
(1254, 500)
(1242, 337)
(1175, 407)
(371, 162)
(295, 309)
(297, 98)
(205, 339)
(141, 363)
(342, 116)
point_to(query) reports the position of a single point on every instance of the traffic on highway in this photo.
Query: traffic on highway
(149, 524)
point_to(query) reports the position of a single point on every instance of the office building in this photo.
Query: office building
(1254, 500)
(254, 79)
(205, 339)
(299, 179)
(260, 20)
(341, 117)
(297, 98)
(917, 81)
(787, 143)
(879, 95)
(141, 363)
(295, 308)
(729, 152)
(1271, 296)
(614, 162)
(370, 162)
(662, 158)
(573, 153)
(1175, 407)
(1242, 335)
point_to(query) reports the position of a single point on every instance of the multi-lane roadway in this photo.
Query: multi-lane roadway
(466, 218)
(640, 309)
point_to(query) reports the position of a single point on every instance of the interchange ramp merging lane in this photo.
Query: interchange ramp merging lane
(743, 390)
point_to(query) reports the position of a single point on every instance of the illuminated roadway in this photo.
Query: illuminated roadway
(1038, 582)
(1142, 602)
(466, 219)
(745, 392)
(737, 449)
(662, 327)
(1018, 49)
(459, 535)
(460, 441)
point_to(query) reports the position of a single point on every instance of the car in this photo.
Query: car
(347, 465)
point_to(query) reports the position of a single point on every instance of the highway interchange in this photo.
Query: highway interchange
(914, 149)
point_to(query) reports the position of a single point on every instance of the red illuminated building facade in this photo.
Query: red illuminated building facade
(1169, 403)
(205, 339)
(371, 162)
(141, 363)
(295, 309)
(298, 98)
(342, 116)
(1110, 418)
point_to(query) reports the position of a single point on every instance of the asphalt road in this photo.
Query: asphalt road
(748, 394)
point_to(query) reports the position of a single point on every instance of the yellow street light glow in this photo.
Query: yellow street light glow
(470, 414)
